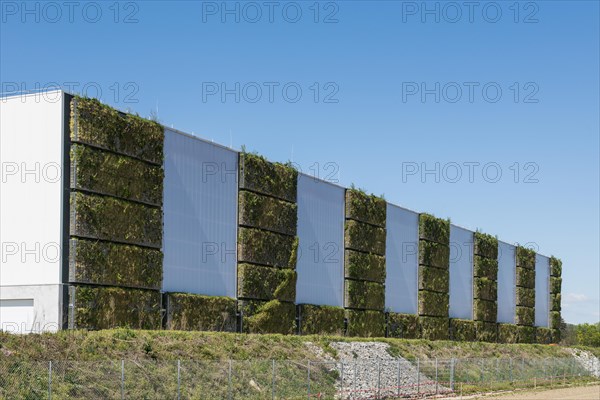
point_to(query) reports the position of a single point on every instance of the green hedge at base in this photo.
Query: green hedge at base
(525, 316)
(526, 334)
(484, 310)
(485, 267)
(433, 279)
(365, 208)
(434, 254)
(485, 245)
(121, 176)
(193, 312)
(556, 335)
(108, 307)
(555, 266)
(365, 323)
(462, 330)
(105, 263)
(433, 328)
(555, 320)
(273, 179)
(555, 299)
(525, 297)
(543, 335)
(364, 237)
(364, 295)
(267, 248)
(525, 278)
(321, 320)
(487, 331)
(268, 317)
(555, 284)
(258, 211)
(508, 333)
(433, 304)
(266, 283)
(434, 229)
(525, 257)
(97, 124)
(364, 266)
(485, 289)
(403, 326)
(116, 220)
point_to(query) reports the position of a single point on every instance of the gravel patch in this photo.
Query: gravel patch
(587, 360)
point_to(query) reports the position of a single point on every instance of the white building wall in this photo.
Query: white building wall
(31, 154)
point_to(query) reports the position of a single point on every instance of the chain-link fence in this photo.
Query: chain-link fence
(270, 379)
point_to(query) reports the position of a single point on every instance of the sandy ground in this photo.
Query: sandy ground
(575, 393)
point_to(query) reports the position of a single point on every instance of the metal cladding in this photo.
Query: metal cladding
(461, 273)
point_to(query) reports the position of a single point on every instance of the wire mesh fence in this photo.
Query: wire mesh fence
(280, 379)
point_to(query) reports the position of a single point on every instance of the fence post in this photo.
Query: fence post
(273, 381)
(308, 379)
(436, 376)
(342, 380)
(452, 374)
(398, 379)
(178, 379)
(378, 379)
(229, 381)
(49, 380)
(418, 375)
(122, 379)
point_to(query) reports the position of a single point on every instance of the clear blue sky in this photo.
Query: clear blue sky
(372, 57)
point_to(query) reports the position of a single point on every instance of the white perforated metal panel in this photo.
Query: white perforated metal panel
(542, 291)
(200, 216)
(461, 273)
(321, 243)
(506, 283)
(402, 264)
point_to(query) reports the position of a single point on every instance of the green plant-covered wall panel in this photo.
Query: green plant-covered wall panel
(485, 245)
(525, 316)
(433, 279)
(433, 328)
(267, 248)
(485, 289)
(462, 330)
(555, 320)
(555, 284)
(434, 254)
(273, 179)
(525, 297)
(434, 229)
(433, 304)
(526, 334)
(105, 263)
(112, 174)
(268, 317)
(526, 278)
(365, 208)
(508, 333)
(556, 335)
(99, 125)
(403, 326)
(108, 307)
(364, 237)
(555, 300)
(266, 283)
(259, 211)
(525, 258)
(321, 320)
(486, 331)
(111, 219)
(555, 266)
(364, 266)
(543, 335)
(484, 310)
(192, 312)
(365, 323)
(485, 267)
(364, 295)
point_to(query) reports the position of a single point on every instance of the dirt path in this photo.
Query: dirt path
(575, 393)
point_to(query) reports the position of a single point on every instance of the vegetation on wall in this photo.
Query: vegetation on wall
(543, 335)
(525, 257)
(525, 316)
(105, 263)
(526, 334)
(273, 179)
(266, 283)
(433, 304)
(188, 312)
(266, 248)
(321, 320)
(364, 295)
(485, 310)
(403, 326)
(433, 279)
(525, 297)
(107, 218)
(484, 267)
(485, 245)
(99, 125)
(365, 323)
(364, 266)
(365, 208)
(268, 317)
(267, 213)
(462, 330)
(486, 331)
(485, 289)
(508, 333)
(434, 229)
(111, 307)
(433, 328)
(434, 254)
(364, 237)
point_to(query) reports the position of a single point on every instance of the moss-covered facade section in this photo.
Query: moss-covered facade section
(486, 331)
(364, 266)
(485, 285)
(403, 326)
(434, 277)
(321, 320)
(555, 297)
(508, 333)
(463, 330)
(365, 208)
(192, 312)
(526, 334)
(543, 335)
(365, 323)
(525, 291)
(363, 295)
(96, 308)
(267, 245)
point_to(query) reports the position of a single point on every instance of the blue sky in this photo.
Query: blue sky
(389, 89)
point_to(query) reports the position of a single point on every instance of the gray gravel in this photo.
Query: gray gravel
(587, 360)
